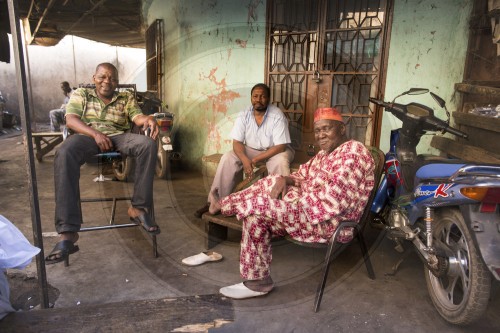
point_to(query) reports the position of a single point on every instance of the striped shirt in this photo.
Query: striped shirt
(111, 119)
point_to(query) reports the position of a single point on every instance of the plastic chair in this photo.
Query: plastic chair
(334, 247)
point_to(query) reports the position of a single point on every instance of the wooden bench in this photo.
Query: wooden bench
(45, 142)
(216, 226)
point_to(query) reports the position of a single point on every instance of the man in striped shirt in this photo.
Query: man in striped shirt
(101, 118)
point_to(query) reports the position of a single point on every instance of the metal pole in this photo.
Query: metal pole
(28, 149)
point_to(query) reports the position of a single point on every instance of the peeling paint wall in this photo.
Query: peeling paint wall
(214, 54)
(427, 50)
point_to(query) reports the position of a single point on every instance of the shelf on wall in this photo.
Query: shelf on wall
(464, 151)
(477, 89)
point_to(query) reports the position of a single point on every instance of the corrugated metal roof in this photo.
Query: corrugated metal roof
(108, 21)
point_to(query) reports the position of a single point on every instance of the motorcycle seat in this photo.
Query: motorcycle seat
(437, 171)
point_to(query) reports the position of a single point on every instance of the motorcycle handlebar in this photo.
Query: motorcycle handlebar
(445, 127)
(379, 102)
(439, 124)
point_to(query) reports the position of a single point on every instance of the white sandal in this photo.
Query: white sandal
(240, 291)
(202, 258)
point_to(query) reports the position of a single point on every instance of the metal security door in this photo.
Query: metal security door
(327, 53)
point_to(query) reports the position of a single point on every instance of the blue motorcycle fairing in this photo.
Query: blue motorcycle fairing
(435, 195)
(437, 171)
(381, 196)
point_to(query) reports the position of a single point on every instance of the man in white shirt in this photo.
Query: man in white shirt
(56, 116)
(260, 135)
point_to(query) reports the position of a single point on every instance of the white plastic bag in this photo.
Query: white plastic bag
(5, 306)
(15, 250)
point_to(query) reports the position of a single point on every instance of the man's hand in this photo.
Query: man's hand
(150, 123)
(247, 167)
(74, 123)
(256, 161)
(103, 141)
(279, 188)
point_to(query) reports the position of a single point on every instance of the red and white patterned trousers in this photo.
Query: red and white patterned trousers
(264, 217)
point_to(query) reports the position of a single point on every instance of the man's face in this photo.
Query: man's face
(328, 134)
(106, 81)
(259, 99)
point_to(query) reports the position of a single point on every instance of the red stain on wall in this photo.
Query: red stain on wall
(241, 43)
(222, 98)
(214, 137)
(219, 102)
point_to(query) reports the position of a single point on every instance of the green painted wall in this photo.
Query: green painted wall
(427, 50)
(215, 53)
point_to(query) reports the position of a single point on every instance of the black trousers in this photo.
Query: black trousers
(76, 150)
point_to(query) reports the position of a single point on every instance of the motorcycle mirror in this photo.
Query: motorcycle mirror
(412, 91)
(416, 91)
(438, 99)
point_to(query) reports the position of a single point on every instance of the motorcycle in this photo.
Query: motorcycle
(448, 209)
(151, 105)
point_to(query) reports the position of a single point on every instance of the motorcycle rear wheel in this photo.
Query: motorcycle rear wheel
(122, 168)
(461, 294)
(162, 161)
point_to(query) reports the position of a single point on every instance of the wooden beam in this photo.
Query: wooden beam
(181, 314)
(480, 90)
(474, 120)
(463, 151)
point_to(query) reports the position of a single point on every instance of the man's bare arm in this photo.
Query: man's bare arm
(265, 155)
(239, 150)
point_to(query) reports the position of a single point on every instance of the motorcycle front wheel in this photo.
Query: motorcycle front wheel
(162, 161)
(461, 293)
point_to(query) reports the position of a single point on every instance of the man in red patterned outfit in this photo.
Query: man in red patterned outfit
(332, 187)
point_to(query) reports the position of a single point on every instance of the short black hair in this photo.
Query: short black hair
(262, 86)
(108, 65)
(66, 87)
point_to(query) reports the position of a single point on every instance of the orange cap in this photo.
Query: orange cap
(327, 113)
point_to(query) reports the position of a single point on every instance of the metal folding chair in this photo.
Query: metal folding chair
(334, 247)
(114, 199)
(113, 157)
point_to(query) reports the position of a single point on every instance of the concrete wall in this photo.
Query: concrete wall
(427, 50)
(74, 60)
(215, 52)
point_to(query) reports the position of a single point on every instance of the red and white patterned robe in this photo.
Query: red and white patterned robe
(334, 188)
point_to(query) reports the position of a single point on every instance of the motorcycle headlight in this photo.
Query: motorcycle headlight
(165, 139)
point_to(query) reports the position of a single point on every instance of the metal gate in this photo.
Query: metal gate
(327, 53)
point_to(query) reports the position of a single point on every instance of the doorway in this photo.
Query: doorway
(327, 53)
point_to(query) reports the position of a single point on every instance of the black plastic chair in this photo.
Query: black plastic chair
(334, 247)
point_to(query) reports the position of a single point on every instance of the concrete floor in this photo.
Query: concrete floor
(118, 266)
